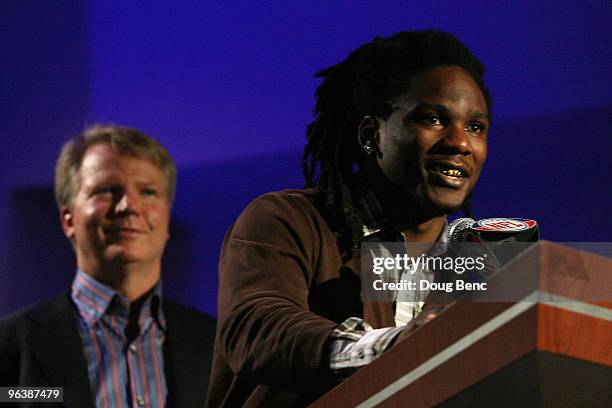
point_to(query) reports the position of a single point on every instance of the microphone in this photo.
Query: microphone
(456, 229)
(498, 240)
(493, 230)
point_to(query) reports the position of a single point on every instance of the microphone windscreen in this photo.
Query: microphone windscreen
(457, 228)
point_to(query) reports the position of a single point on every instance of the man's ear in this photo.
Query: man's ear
(67, 222)
(367, 134)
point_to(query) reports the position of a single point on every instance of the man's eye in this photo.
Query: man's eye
(475, 128)
(103, 190)
(431, 119)
(149, 192)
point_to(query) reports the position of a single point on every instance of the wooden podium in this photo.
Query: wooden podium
(550, 348)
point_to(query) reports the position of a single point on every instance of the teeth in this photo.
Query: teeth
(451, 172)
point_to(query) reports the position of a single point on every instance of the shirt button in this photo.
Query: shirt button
(133, 348)
(140, 401)
(360, 354)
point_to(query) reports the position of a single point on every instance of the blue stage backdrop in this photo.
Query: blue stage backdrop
(228, 88)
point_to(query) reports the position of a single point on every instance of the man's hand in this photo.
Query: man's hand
(426, 315)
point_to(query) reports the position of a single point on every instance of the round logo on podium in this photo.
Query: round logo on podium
(504, 224)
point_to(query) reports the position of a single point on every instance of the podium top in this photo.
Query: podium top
(563, 306)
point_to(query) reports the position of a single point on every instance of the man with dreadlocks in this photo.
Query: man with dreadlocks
(398, 142)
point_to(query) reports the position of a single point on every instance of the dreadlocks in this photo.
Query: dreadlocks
(363, 84)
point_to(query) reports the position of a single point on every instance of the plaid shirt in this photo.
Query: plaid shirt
(354, 343)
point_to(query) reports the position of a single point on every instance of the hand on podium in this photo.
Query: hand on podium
(427, 314)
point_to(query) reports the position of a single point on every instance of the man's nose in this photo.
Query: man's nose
(127, 203)
(457, 139)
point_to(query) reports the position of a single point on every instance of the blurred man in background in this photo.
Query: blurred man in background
(112, 340)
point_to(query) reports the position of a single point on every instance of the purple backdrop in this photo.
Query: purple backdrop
(228, 89)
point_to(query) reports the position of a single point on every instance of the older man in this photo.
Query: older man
(112, 340)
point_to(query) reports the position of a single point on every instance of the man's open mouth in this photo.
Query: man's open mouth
(449, 170)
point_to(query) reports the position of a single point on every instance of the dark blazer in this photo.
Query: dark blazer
(41, 346)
